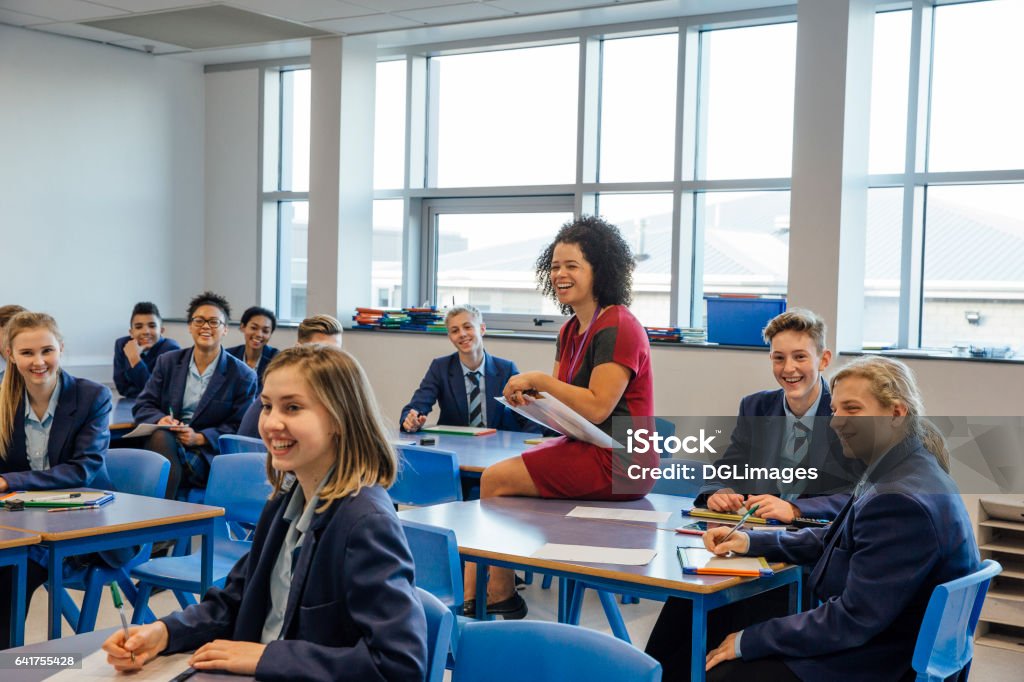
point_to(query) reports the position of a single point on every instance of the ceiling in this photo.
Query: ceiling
(244, 30)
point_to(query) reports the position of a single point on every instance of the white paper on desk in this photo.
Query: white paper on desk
(95, 667)
(586, 554)
(618, 514)
(551, 412)
(144, 430)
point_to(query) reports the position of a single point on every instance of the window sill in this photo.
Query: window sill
(906, 354)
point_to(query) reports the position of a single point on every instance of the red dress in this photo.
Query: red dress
(568, 468)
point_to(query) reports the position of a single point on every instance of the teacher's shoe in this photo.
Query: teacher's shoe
(513, 608)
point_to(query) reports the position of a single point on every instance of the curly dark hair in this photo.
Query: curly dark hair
(210, 298)
(606, 251)
(255, 310)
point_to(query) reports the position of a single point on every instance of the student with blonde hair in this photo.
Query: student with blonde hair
(54, 428)
(326, 592)
(904, 531)
(6, 313)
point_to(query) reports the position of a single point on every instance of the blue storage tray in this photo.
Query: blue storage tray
(739, 321)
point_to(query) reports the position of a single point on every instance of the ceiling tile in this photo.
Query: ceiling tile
(403, 5)
(60, 10)
(306, 10)
(81, 31)
(151, 5)
(452, 13)
(367, 24)
(539, 6)
(19, 19)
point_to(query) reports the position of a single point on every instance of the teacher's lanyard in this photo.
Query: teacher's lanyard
(576, 351)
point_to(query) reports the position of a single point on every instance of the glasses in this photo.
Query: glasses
(212, 323)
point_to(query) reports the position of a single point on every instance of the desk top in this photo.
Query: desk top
(83, 645)
(126, 512)
(121, 416)
(17, 538)
(476, 453)
(513, 528)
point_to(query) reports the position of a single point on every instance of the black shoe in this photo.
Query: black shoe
(520, 583)
(513, 608)
(469, 608)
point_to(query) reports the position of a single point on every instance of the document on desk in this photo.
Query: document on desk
(619, 514)
(95, 667)
(551, 412)
(585, 554)
(145, 430)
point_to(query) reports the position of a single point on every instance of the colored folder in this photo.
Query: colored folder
(697, 560)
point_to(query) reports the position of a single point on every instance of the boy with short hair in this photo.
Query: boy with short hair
(465, 383)
(795, 433)
(135, 355)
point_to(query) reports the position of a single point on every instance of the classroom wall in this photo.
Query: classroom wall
(101, 184)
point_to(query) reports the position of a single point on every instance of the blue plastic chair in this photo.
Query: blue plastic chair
(512, 651)
(126, 470)
(945, 643)
(231, 444)
(440, 623)
(426, 476)
(239, 484)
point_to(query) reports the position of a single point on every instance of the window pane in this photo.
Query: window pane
(293, 221)
(295, 102)
(749, 103)
(638, 113)
(389, 126)
(507, 117)
(386, 270)
(976, 109)
(746, 242)
(645, 221)
(487, 259)
(882, 267)
(974, 264)
(890, 78)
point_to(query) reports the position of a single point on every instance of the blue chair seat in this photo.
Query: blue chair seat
(179, 572)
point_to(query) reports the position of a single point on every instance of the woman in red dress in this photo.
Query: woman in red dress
(602, 371)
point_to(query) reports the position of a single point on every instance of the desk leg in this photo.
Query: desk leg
(206, 570)
(481, 590)
(19, 570)
(55, 584)
(699, 646)
(796, 594)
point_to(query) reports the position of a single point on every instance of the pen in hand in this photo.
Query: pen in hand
(739, 523)
(119, 605)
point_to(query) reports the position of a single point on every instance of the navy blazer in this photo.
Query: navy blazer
(220, 409)
(445, 384)
(266, 356)
(250, 424)
(130, 381)
(875, 569)
(352, 613)
(78, 441)
(757, 442)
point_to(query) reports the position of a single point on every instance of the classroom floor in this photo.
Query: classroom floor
(990, 664)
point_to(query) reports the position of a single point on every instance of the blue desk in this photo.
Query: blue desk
(14, 546)
(127, 521)
(507, 531)
(121, 419)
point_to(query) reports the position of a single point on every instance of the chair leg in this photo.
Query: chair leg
(69, 610)
(576, 605)
(611, 611)
(142, 614)
(545, 584)
(628, 599)
(185, 599)
(90, 603)
(528, 578)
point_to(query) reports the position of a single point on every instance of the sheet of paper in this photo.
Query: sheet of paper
(551, 412)
(595, 555)
(95, 667)
(619, 514)
(144, 430)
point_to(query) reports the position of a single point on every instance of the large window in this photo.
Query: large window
(945, 239)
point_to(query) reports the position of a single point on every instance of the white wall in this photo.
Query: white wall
(101, 184)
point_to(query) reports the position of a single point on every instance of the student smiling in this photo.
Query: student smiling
(258, 324)
(135, 355)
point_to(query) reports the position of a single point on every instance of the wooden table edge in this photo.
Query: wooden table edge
(29, 538)
(107, 530)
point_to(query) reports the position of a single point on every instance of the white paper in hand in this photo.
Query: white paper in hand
(551, 412)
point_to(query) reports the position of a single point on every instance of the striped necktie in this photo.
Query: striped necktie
(476, 412)
(801, 439)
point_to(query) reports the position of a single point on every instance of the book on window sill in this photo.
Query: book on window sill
(459, 430)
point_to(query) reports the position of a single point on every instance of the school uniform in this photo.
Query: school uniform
(904, 532)
(347, 609)
(266, 355)
(130, 381)
(445, 383)
(250, 424)
(760, 439)
(63, 449)
(230, 388)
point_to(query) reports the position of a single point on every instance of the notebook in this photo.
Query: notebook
(459, 430)
(702, 513)
(59, 498)
(697, 560)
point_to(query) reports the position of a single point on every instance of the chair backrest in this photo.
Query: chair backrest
(511, 651)
(239, 484)
(130, 470)
(426, 476)
(680, 486)
(231, 444)
(945, 643)
(438, 568)
(440, 625)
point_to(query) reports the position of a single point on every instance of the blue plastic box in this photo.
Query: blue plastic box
(739, 321)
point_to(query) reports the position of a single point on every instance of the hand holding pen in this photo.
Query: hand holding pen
(723, 540)
(130, 651)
